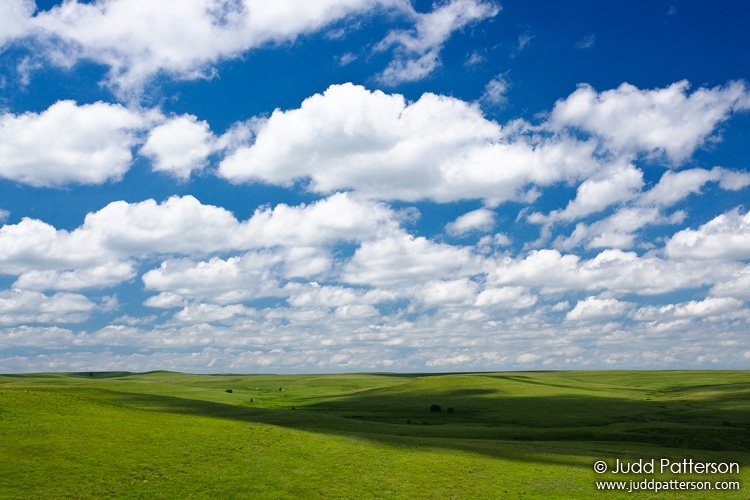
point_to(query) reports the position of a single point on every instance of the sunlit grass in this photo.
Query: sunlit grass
(510, 435)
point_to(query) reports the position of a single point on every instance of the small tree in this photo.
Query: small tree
(435, 408)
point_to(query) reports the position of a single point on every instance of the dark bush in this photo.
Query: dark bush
(451, 410)
(435, 409)
(230, 391)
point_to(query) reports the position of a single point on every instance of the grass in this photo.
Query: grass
(511, 435)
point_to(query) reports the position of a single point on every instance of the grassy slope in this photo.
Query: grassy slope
(529, 435)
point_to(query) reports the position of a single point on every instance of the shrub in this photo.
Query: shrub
(451, 410)
(230, 391)
(435, 408)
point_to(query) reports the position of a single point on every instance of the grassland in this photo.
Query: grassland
(510, 435)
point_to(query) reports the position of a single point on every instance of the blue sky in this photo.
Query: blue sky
(373, 185)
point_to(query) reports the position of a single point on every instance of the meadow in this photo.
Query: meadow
(497, 435)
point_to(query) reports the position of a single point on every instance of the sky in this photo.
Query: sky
(324, 186)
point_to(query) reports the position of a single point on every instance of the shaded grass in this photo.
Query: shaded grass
(532, 435)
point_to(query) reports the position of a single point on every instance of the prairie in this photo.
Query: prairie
(497, 435)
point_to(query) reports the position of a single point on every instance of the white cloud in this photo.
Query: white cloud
(607, 187)
(510, 297)
(106, 275)
(224, 281)
(23, 306)
(615, 271)
(738, 285)
(417, 51)
(447, 292)
(711, 306)
(727, 236)
(496, 90)
(45, 337)
(675, 186)
(165, 300)
(211, 313)
(179, 146)
(340, 217)
(15, 19)
(528, 357)
(139, 39)
(406, 260)
(665, 121)
(236, 279)
(474, 58)
(619, 230)
(183, 225)
(477, 220)
(616, 231)
(437, 148)
(593, 308)
(68, 143)
(488, 244)
(315, 295)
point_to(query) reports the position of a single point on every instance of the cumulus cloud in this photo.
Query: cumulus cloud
(313, 294)
(70, 143)
(212, 313)
(182, 144)
(708, 307)
(138, 40)
(477, 220)
(725, 237)
(738, 285)
(675, 186)
(15, 19)
(447, 292)
(404, 259)
(667, 121)
(106, 275)
(642, 209)
(509, 297)
(437, 148)
(610, 186)
(179, 146)
(615, 271)
(619, 230)
(236, 279)
(417, 51)
(593, 308)
(185, 39)
(23, 306)
(183, 225)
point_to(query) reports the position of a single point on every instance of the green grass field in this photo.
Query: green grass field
(510, 435)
